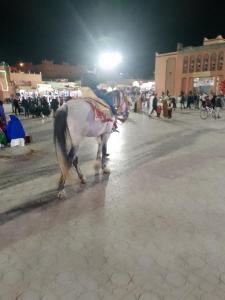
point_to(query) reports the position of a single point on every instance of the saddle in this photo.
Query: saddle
(102, 111)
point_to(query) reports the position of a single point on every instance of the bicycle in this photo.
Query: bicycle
(206, 112)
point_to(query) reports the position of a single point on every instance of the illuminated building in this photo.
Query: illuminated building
(191, 68)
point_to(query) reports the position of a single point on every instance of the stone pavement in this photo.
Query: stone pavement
(153, 230)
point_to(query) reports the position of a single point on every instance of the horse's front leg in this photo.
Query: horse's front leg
(105, 169)
(97, 165)
(104, 157)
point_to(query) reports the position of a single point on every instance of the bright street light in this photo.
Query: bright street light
(109, 60)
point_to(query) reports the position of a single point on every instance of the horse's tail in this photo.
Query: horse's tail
(60, 139)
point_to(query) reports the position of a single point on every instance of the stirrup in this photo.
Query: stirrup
(115, 130)
(121, 119)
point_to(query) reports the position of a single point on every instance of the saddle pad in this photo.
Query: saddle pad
(102, 111)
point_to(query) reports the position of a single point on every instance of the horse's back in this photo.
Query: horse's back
(81, 115)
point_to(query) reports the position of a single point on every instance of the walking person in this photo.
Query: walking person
(218, 106)
(173, 102)
(16, 106)
(25, 105)
(213, 100)
(165, 100)
(54, 106)
(190, 100)
(154, 105)
(170, 109)
(12, 104)
(182, 100)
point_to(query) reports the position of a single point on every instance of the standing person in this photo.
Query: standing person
(61, 101)
(54, 106)
(154, 105)
(2, 116)
(165, 105)
(170, 109)
(218, 106)
(190, 100)
(196, 100)
(213, 100)
(16, 106)
(159, 110)
(25, 105)
(12, 104)
(174, 104)
(182, 100)
(203, 99)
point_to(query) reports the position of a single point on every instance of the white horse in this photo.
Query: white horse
(74, 121)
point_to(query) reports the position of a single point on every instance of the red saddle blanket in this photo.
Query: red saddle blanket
(102, 111)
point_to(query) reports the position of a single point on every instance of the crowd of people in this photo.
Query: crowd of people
(34, 107)
(123, 100)
(165, 104)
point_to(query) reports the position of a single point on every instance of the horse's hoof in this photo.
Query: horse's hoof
(106, 171)
(83, 180)
(61, 193)
(97, 165)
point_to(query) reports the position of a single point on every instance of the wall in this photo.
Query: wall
(24, 78)
(161, 71)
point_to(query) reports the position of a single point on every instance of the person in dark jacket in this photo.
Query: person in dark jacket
(25, 105)
(154, 105)
(190, 100)
(182, 100)
(54, 106)
(218, 106)
(173, 102)
(90, 80)
(16, 106)
(213, 101)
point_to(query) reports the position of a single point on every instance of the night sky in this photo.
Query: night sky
(76, 31)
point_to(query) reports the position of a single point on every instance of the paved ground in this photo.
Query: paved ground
(154, 230)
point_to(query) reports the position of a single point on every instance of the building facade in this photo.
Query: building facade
(50, 70)
(191, 68)
(25, 79)
(7, 87)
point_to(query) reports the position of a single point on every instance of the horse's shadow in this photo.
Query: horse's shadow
(47, 210)
(94, 180)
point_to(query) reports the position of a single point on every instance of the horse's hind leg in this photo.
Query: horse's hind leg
(61, 185)
(79, 173)
(104, 147)
(62, 179)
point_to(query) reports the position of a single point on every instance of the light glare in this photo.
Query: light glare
(109, 60)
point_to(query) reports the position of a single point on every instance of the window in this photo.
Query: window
(213, 62)
(185, 64)
(192, 64)
(198, 66)
(205, 66)
(220, 61)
